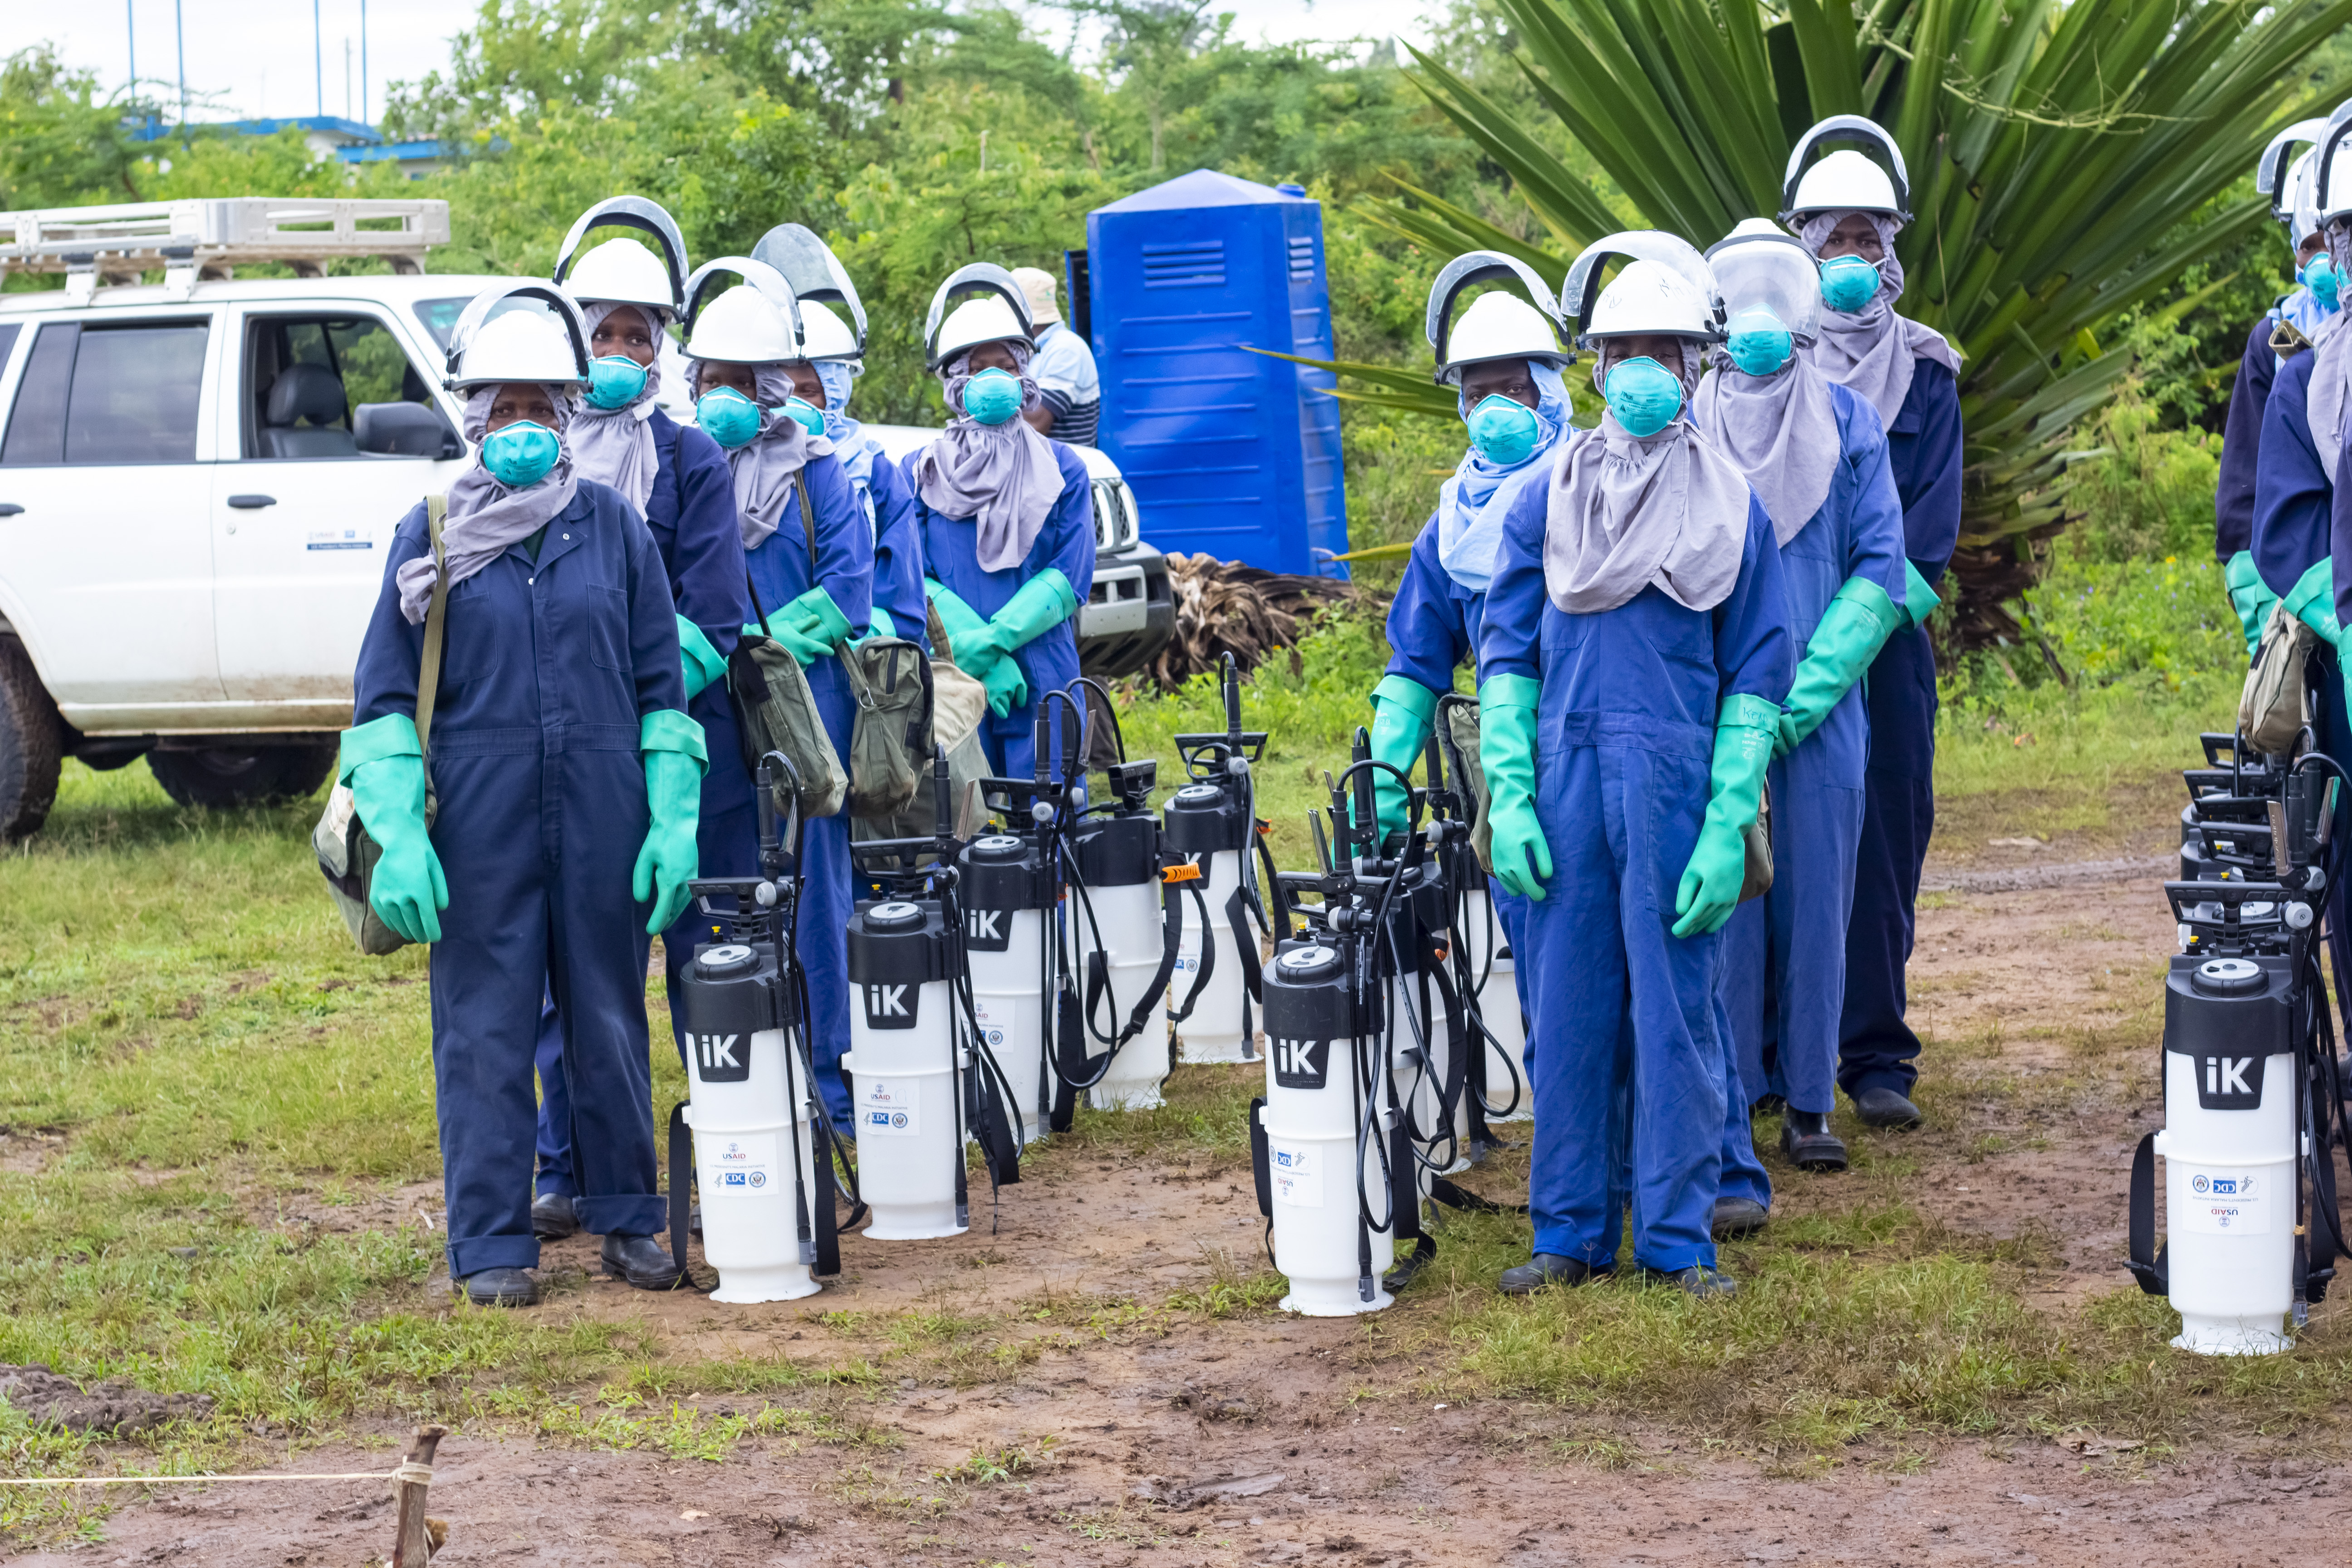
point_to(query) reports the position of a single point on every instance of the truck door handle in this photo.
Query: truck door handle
(250, 503)
(10, 509)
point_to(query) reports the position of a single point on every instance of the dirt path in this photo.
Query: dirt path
(1029, 1410)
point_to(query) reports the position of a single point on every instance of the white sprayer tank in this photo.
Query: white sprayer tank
(1118, 864)
(1314, 1105)
(902, 1069)
(755, 1128)
(2229, 1146)
(1004, 944)
(1214, 1031)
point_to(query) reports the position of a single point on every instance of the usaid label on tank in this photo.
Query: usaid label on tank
(1298, 1177)
(887, 1107)
(993, 1023)
(2229, 1203)
(743, 1166)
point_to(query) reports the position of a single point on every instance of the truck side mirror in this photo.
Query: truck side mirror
(404, 430)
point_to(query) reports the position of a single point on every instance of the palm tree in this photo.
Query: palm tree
(2067, 164)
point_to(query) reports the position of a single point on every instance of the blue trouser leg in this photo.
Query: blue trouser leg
(538, 852)
(821, 940)
(2332, 735)
(1633, 1064)
(1740, 1015)
(1875, 1047)
(555, 1106)
(727, 845)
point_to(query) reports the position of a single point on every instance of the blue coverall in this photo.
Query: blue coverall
(1432, 626)
(1626, 728)
(2298, 519)
(950, 554)
(1784, 953)
(1875, 1047)
(845, 569)
(2241, 443)
(548, 669)
(691, 514)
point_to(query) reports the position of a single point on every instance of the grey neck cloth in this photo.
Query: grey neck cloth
(485, 517)
(1872, 351)
(1781, 430)
(1003, 477)
(616, 445)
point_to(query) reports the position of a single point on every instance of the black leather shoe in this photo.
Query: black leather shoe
(1735, 1217)
(1546, 1268)
(1698, 1280)
(642, 1260)
(1886, 1108)
(552, 1218)
(1806, 1138)
(501, 1287)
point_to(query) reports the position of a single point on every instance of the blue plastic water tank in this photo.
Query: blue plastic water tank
(1230, 452)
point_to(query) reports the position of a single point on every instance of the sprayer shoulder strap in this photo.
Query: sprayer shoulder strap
(436, 623)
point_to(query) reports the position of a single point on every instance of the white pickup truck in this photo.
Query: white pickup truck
(199, 479)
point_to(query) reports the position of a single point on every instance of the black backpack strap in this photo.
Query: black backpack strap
(2147, 1263)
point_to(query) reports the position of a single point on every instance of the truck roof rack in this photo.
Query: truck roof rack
(207, 237)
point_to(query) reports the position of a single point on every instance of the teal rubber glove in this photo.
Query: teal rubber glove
(1507, 750)
(2312, 601)
(671, 745)
(1006, 687)
(1744, 734)
(2250, 596)
(973, 643)
(700, 659)
(1852, 630)
(810, 626)
(384, 769)
(1041, 604)
(1919, 600)
(1402, 709)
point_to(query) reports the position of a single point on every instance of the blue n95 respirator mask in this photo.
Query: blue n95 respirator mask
(992, 396)
(2319, 275)
(519, 455)
(616, 381)
(1503, 431)
(1758, 343)
(727, 416)
(1849, 283)
(1643, 395)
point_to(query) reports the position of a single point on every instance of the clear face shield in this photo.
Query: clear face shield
(1770, 275)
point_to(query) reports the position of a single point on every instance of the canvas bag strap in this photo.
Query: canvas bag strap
(436, 617)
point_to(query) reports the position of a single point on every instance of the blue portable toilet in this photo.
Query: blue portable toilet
(1229, 452)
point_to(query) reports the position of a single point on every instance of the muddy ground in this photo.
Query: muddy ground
(1258, 1438)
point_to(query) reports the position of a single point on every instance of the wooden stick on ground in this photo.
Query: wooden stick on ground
(415, 1543)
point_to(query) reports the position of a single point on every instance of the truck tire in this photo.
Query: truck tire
(32, 738)
(218, 777)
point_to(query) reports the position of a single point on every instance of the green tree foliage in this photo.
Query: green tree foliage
(2055, 150)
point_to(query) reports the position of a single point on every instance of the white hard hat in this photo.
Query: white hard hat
(498, 340)
(757, 322)
(623, 271)
(824, 336)
(1846, 181)
(1496, 325)
(1759, 263)
(1665, 287)
(816, 273)
(1000, 316)
(2331, 162)
(2275, 174)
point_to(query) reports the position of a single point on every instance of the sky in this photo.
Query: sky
(254, 59)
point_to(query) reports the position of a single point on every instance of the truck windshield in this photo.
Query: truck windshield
(440, 318)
